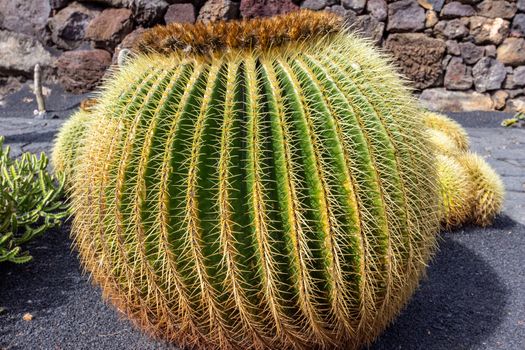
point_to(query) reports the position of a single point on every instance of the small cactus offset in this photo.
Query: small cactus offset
(261, 184)
(448, 127)
(487, 188)
(471, 191)
(443, 143)
(30, 202)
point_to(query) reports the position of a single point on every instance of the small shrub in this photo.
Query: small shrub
(517, 120)
(30, 202)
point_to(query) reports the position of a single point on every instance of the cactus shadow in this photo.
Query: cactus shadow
(458, 305)
(45, 281)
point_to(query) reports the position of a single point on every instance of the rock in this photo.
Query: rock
(9, 85)
(315, 4)
(138, 5)
(516, 79)
(19, 53)
(215, 10)
(453, 29)
(431, 19)
(470, 2)
(499, 98)
(440, 99)
(24, 16)
(521, 5)
(338, 10)
(509, 82)
(180, 13)
(512, 52)
(490, 51)
(128, 43)
(58, 4)
(266, 8)
(147, 12)
(497, 9)
(515, 92)
(348, 16)
(111, 3)
(378, 9)
(354, 5)
(452, 47)
(80, 71)
(470, 52)
(456, 9)
(109, 28)
(445, 61)
(458, 75)
(488, 74)
(371, 28)
(487, 30)
(68, 26)
(518, 25)
(131, 39)
(405, 16)
(519, 76)
(515, 105)
(435, 5)
(419, 57)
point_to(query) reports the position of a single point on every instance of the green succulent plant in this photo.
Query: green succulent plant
(256, 184)
(30, 202)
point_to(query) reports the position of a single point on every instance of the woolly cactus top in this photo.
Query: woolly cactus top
(256, 34)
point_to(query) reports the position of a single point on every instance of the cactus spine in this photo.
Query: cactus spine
(471, 191)
(456, 192)
(488, 190)
(448, 127)
(277, 196)
(67, 143)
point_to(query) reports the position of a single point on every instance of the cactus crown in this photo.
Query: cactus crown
(258, 34)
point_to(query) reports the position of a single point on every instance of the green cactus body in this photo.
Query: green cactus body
(275, 197)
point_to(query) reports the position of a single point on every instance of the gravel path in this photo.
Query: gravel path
(473, 297)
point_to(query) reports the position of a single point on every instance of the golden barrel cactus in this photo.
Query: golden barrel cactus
(258, 184)
(470, 190)
(487, 188)
(443, 125)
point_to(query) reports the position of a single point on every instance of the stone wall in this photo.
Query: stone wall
(460, 55)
